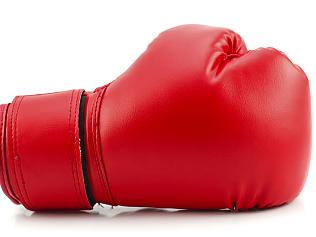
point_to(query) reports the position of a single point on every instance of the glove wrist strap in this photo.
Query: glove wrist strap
(41, 153)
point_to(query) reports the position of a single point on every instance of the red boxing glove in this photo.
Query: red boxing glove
(198, 121)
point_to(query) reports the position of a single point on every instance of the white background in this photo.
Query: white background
(50, 46)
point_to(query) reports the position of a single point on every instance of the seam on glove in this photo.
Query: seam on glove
(17, 159)
(72, 154)
(13, 155)
(94, 155)
(76, 150)
(97, 143)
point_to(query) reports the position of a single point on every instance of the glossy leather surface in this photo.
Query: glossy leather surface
(198, 121)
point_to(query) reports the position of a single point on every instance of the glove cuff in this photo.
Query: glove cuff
(41, 163)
